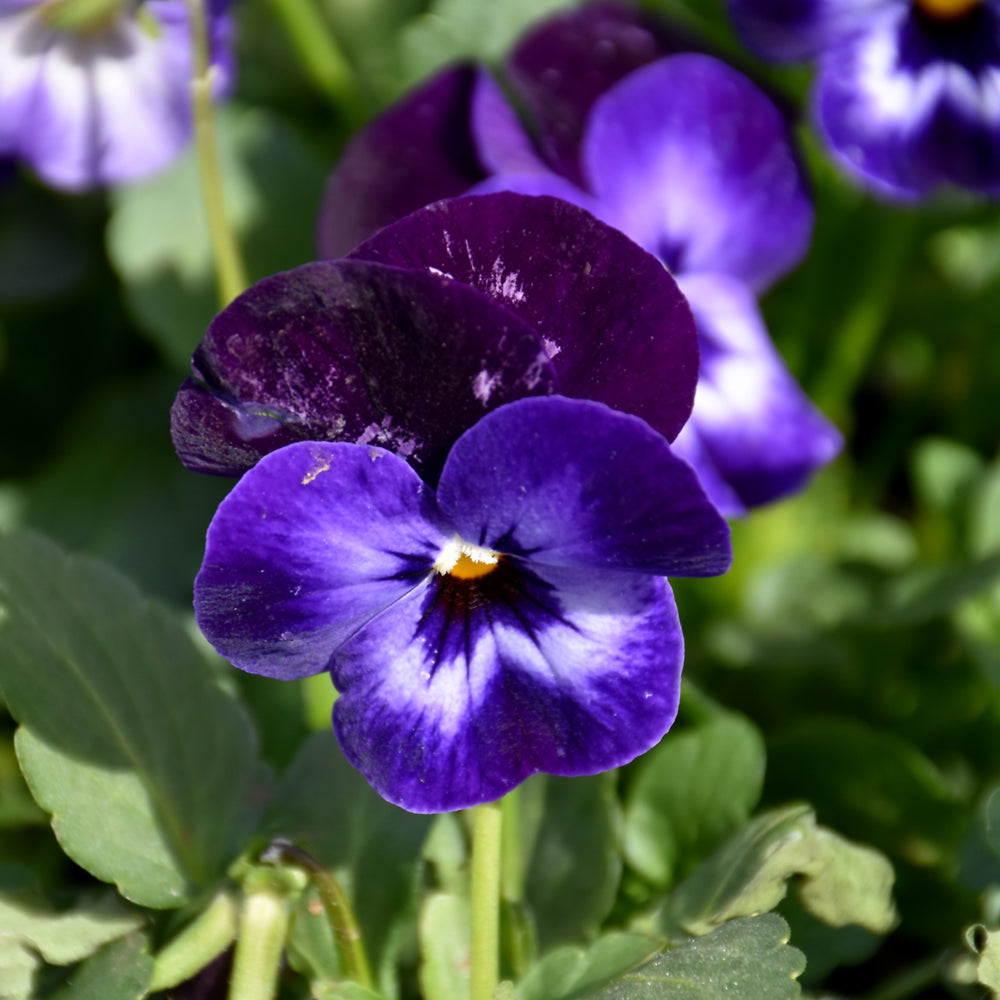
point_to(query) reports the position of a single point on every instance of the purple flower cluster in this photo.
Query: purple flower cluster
(88, 102)
(680, 152)
(908, 91)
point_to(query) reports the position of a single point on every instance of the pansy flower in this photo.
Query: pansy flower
(516, 619)
(99, 93)
(464, 306)
(683, 154)
(908, 91)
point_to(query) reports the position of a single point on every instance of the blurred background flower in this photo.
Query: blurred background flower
(908, 91)
(98, 92)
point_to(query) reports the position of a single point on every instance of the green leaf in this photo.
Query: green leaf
(935, 591)
(63, 937)
(323, 804)
(688, 793)
(121, 971)
(842, 882)
(575, 868)
(158, 240)
(746, 959)
(872, 784)
(148, 769)
(569, 972)
(465, 29)
(444, 947)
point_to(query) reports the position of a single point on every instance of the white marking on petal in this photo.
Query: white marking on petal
(484, 384)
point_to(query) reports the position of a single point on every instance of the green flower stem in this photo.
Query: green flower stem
(322, 58)
(336, 906)
(487, 823)
(264, 922)
(203, 940)
(229, 271)
(512, 862)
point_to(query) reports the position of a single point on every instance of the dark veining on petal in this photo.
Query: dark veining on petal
(457, 612)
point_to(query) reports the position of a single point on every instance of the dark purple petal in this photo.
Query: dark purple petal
(464, 688)
(801, 29)
(569, 482)
(311, 544)
(352, 351)
(913, 103)
(613, 320)
(562, 66)
(695, 163)
(756, 429)
(419, 150)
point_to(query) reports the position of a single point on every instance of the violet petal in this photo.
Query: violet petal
(757, 428)
(310, 545)
(695, 164)
(569, 482)
(800, 29)
(458, 693)
(103, 107)
(912, 104)
(616, 327)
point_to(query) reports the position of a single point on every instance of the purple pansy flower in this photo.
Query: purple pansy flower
(682, 153)
(908, 91)
(457, 309)
(516, 620)
(105, 101)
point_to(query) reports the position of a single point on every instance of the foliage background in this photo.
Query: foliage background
(854, 645)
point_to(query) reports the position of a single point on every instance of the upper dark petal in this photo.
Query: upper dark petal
(569, 482)
(562, 66)
(911, 104)
(800, 29)
(419, 150)
(352, 351)
(617, 327)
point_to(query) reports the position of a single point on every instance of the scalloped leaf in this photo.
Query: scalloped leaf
(149, 770)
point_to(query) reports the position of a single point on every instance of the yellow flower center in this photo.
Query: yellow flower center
(946, 10)
(465, 561)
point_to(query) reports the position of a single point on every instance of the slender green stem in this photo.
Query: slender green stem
(487, 824)
(322, 58)
(336, 906)
(512, 862)
(264, 922)
(229, 270)
(203, 940)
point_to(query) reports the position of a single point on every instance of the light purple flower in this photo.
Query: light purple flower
(515, 621)
(682, 153)
(908, 91)
(105, 104)
(455, 310)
